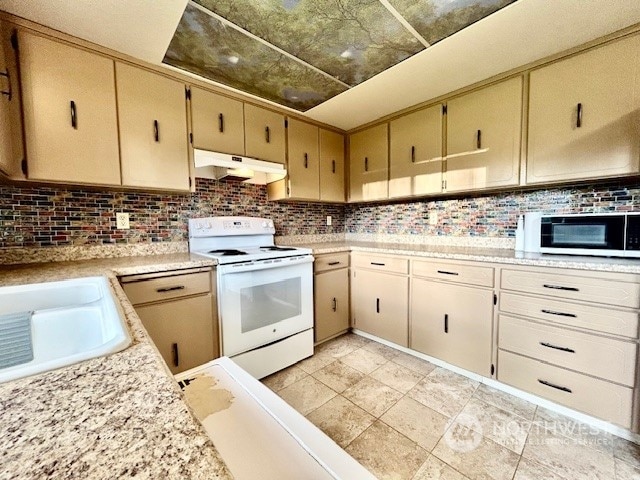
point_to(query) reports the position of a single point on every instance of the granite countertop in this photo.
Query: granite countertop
(117, 416)
(492, 255)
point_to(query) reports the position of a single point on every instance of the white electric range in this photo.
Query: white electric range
(264, 292)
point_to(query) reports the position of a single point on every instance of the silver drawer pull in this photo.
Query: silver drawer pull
(333, 263)
(560, 314)
(378, 264)
(170, 289)
(555, 347)
(560, 287)
(444, 272)
(557, 387)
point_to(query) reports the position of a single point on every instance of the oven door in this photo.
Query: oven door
(264, 301)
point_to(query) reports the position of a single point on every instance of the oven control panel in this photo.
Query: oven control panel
(223, 226)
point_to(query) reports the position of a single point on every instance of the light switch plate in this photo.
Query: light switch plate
(122, 221)
(329, 220)
(433, 218)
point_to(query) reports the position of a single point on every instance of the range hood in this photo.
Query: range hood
(221, 166)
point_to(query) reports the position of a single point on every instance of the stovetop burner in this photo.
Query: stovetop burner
(277, 248)
(229, 252)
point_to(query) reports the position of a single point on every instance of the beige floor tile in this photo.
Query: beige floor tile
(284, 378)
(475, 456)
(356, 339)
(397, 376)
(501, 426)
(417, 422)
(414, 363)
(531, 470)
(364, 360)
(444, 391)
(339, 347)
(341, 420)
(383, 350)
(506, 401)
(436, 469)
(338, 376)
(567, 457)
(624, 471)
(626, 451)
(307, 394)
(386, 453)
(316, 362)
(373, 396)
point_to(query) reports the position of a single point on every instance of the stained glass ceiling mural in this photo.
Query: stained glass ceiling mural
(300, 53)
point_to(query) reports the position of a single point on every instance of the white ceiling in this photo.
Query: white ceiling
(520, 33)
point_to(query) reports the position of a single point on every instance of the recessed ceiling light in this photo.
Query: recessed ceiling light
(233, 59)
(347, 53)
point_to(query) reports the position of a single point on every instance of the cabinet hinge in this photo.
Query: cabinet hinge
(286, 123)
(444, 184)
(24, 167)
(14, 40)
(493, 369)
(444, 109)
(495, 299)
(191, 138)
(187, 93)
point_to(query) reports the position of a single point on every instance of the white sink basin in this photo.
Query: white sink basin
(73, 320)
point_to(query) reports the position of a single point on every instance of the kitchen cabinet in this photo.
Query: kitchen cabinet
(177, 310)
(264, 134)
(415, 166)
(583, 115)
(331, 166)
(217, 122)
(451, 320)
(303, 166)
(152, 119)
(483, 137)
(11, 145)
(380, 296)
(368, 164)
(70, 117)
(331, 295)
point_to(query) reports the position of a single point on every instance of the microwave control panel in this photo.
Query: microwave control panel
(633, 232)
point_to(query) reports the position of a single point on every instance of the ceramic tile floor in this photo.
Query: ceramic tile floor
(404, 418)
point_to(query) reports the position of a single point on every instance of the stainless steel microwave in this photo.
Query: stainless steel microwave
(601, 234)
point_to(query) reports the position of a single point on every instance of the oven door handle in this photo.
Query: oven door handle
(264, 264)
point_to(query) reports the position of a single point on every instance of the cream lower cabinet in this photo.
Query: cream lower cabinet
(177, 310)
(331, 295)
(368, 164)
(380, 296)
(452, 322)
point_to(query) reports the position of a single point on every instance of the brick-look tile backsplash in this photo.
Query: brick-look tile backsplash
(490, 215)
(57, 216)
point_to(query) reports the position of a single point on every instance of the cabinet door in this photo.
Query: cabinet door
(153, 129)
(483, 137)
(182, 330)
(11, 145)
(331, 166)
(452, 323)
(584, 115)
(264, 134)
(331, 295)
(217, 122)
(69, 102)
(415, 166)
(380, 305)
(303, 167)
(368, 164)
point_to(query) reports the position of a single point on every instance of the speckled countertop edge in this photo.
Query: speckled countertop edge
(116, 416)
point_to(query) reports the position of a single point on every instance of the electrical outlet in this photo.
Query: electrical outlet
(433, 218)
(122, 221)
(329, 220)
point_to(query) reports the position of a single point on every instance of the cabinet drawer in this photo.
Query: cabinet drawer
(592, 317)
(612, 292)
(379, 262)
(331, 261)
(471, 274)
(163, 288)
(593, 396)
(610, 359)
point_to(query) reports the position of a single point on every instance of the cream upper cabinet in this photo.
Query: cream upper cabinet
(11, 144)
(264, 134)
(369, 164)
(331, 166)
(303, 163)
(584, 115)
(217, 122)
(153, 129)
(483, 137)
(415, 166)
(70, 120)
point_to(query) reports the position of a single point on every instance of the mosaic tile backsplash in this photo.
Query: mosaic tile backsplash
(59, 216)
